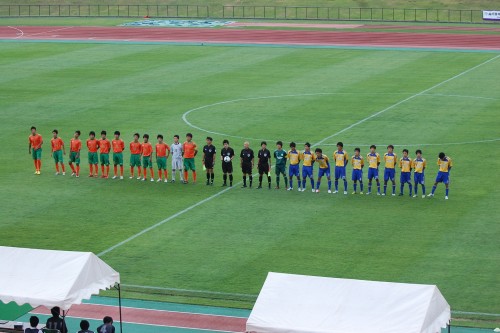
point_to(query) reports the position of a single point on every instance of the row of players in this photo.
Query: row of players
(183, 159)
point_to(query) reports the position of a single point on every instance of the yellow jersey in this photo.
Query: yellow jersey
(405, 163)
(390, 160)
(308, 158)
(323, 161)
(373, 160)
(340, 158)
(419, 165)
(357, 162)
(294, 156)
(444, 166)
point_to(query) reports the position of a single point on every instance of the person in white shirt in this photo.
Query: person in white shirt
(176, 153)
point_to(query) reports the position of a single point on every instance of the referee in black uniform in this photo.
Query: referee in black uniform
(246, 163)
(226, 156)
(209, 154)
(264, 163)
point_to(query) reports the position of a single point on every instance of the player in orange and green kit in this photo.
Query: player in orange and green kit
(189, 151)
(35, 149)
(162, 153)
(75, 145)
(147, 158)
(93, 146)
(135, 156)
(57, 145)
(118, 148)
(104, 148)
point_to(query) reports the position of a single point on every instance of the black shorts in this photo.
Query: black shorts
(209, 164)
(263, 169)
(227, 167)
(246, 168)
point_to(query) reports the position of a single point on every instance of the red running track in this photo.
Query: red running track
(242, 36)
(155, 317)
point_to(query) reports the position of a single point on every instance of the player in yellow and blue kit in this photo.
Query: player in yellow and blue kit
(419, 164)
(324, 169)
(294, 157)
(390, 169)
(405, 163)
(373, 159)
(443, 175)
(308, 158)
(341, 158)
(357, 170)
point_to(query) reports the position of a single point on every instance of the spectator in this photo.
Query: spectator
(56, 322)
(33, 323)
(84, 325)
(107, 327)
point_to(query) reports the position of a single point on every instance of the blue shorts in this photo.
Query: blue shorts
(307, 171)
(323, 172)
(389, 174)
(418, 178)
(405, 177)
(442, 177)
(357, 175)
(339, 172)
(293, 170)
(372, 173)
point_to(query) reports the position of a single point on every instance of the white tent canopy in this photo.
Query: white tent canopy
(297, 303)
(52, 278)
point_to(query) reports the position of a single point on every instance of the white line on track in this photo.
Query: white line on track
(20, 32)
(408, 99)
(46, 32)
(171, 217)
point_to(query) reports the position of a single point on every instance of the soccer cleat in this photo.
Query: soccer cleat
(173, 180)
(159, 180)
(224, 185)
(378, 193)
(152, 179)
(335, 192)
(290, 189)
(423, 196)
(394, 194)
(259, 187)
(345, 192)
(446, 198)
(73, 174)
(114, 177)
(244, 186)
(400, 194)
(313, 191)
(330, 191)
(361, 192)
(368, 193)
(165, 181)
(430, 195)
(139, 178)
(64, 173)
(354, 193)
(277, 188)
(91, 175)
(121, 177)
(36, 172)
(131, 177)
(317, 191)
(143, 179)
(57, 173)
(414, 196)
(383, 194)
(103, 176)
(77, 176)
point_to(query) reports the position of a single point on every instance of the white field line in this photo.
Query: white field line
(20, 32)
(408, 99)
(171, 217)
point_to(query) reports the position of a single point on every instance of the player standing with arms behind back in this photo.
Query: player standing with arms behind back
(264, 164)
(390, 169)
(162, 152)
(357, 170)
(147, 158)
(226, 156)
(341, 158)
(373, 159)
(75, 145)
(443, 175)
(189, 149)
(57, 151)
(246, 163)
(419, 164)
(280, 168)
(35, 149)
(93, 146)
(118, 148)
(308, 158)
(104, 148)
(405, 163)
(135, 156)
(209, 153)
(176, 151)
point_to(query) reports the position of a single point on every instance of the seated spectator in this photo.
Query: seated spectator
(107, 327)
(55, 322)
(34, 321)
(84, 325)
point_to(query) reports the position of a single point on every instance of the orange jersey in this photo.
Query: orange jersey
(92, 145)
(35, 141)
(105, 146)
(147, 149)
(75, 145)
(189, 149)
(161, 149)
(135, 148)
(118, 145)
(56, 144)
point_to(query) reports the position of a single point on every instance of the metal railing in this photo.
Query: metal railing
(248, 12)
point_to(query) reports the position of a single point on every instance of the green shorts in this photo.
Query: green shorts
(74, 157)
(118, 159)
(58, 156)
(162, 163)
(280, 169)
(189, 164)
(36, 154)
(93, 159)
(135, 160)
(147, 162)
(104, 159)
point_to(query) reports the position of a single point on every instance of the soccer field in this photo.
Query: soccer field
(225, 240)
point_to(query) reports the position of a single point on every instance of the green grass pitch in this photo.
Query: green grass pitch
(230, 242)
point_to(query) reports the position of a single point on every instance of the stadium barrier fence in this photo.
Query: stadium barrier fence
(247, 12)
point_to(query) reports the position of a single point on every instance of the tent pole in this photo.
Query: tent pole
(120, 307)
(449, 327)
